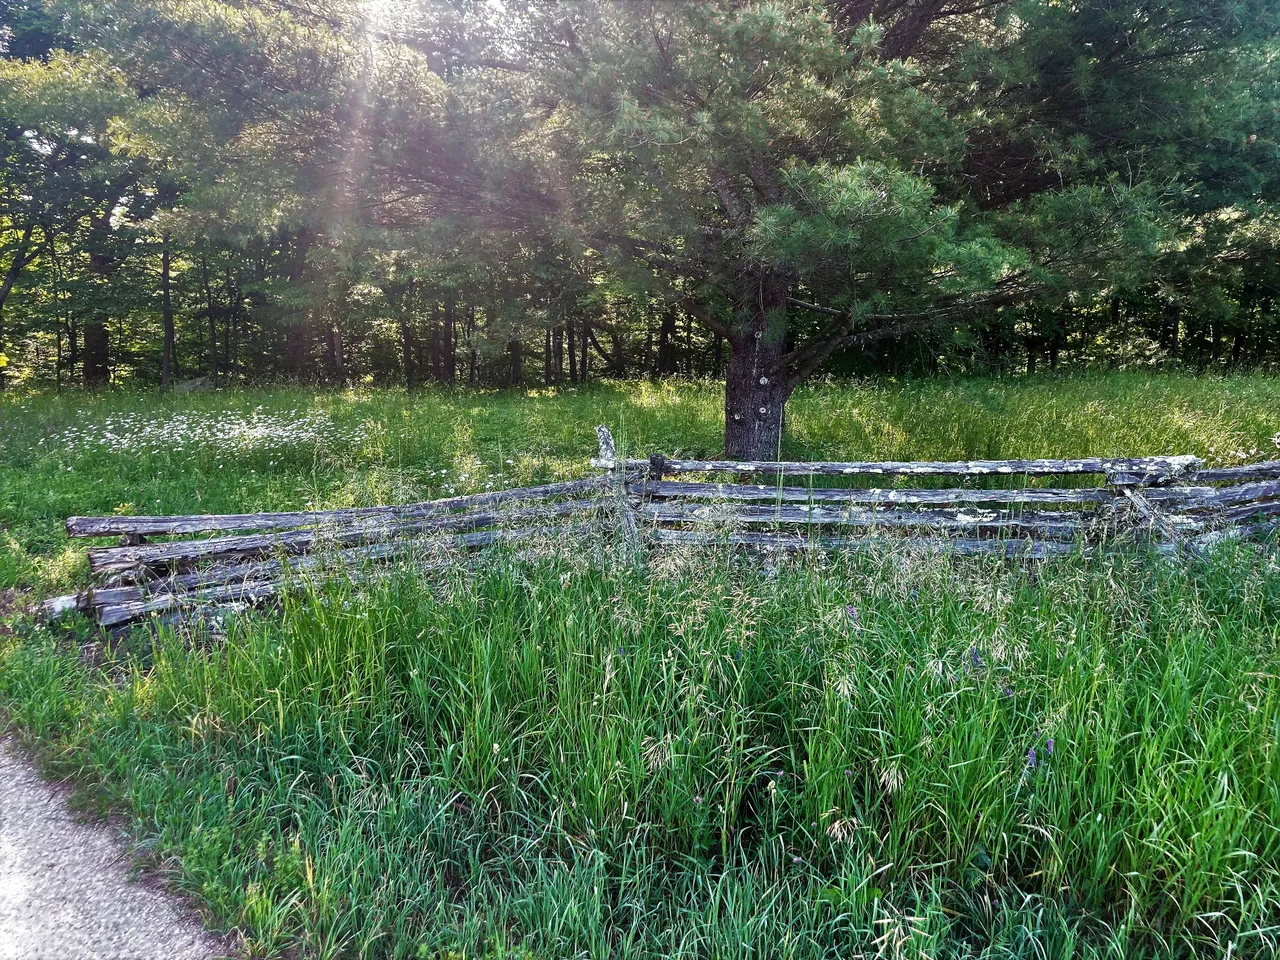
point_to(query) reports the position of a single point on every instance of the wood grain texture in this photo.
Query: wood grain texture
(1131, 470)
(213, 523)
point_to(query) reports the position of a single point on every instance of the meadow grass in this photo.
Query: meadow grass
(693, 755)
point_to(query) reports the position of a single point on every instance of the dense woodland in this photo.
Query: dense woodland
(539, 191)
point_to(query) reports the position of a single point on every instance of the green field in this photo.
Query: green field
(699, 756)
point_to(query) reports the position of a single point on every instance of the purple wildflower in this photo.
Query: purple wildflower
(1007, 691)
(975, 658)
(698, 799)
(848, 774)
(852, 611)
(1031, 759)
(1048, 747)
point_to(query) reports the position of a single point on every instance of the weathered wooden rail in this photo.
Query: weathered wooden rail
(1173, 504)
(253, 557)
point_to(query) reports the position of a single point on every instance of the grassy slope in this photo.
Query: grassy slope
(705, 759)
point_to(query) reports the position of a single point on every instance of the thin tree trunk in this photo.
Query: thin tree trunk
(667, 343)
(437, 373)
(582, 367)
(688, 345)
(166, 362)
(546, 357)
(573, 353)
(450, 337)
(73, 350)
(212, 317)
(471, 345)
(226, 326)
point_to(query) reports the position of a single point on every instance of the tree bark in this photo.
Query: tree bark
(546, 358)
(515, 350)
(667, 362)
(573, 352)
(471, 345)
(166, 362)
(756, 387)
(437, 372)
(96, 369)
(406, 354)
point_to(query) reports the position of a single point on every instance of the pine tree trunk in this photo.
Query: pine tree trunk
(756, 388)
(667, 344)
(73, 350)
(546, 358)
(471, 346)
(406, 354)
(166, 362)
(96, 370)
(437, 373)
(515, 350)
(582, 366)
(573, 353)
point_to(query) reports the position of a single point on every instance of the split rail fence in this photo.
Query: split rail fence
(1172, 504)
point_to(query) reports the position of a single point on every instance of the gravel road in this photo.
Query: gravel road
(65, 892)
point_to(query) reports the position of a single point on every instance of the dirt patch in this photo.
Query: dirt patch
(65, 889)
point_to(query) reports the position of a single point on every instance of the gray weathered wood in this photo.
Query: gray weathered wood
(675, 489)
(608, 452)
(1130, 470)
(251, 583)
(102, 559)
(1057, 524)
(212, 523)
(795, 542)
(1267, 470)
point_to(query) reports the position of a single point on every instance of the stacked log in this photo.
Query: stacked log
(263, 555)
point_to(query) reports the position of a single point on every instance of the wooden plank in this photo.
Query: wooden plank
(213, 523)
(676, 489)
(1131, 470)
(797, 542)
(1044, 523)
(301, 541)
(1242, 493)
(1251, 511)
(1267, 470)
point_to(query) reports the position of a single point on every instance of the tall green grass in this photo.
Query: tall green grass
(698, 755)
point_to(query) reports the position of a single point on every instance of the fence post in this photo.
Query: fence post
(617, 474)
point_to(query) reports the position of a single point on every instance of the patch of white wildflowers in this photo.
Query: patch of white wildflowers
(222, 433)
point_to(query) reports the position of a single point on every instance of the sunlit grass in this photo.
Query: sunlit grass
(695, 756)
